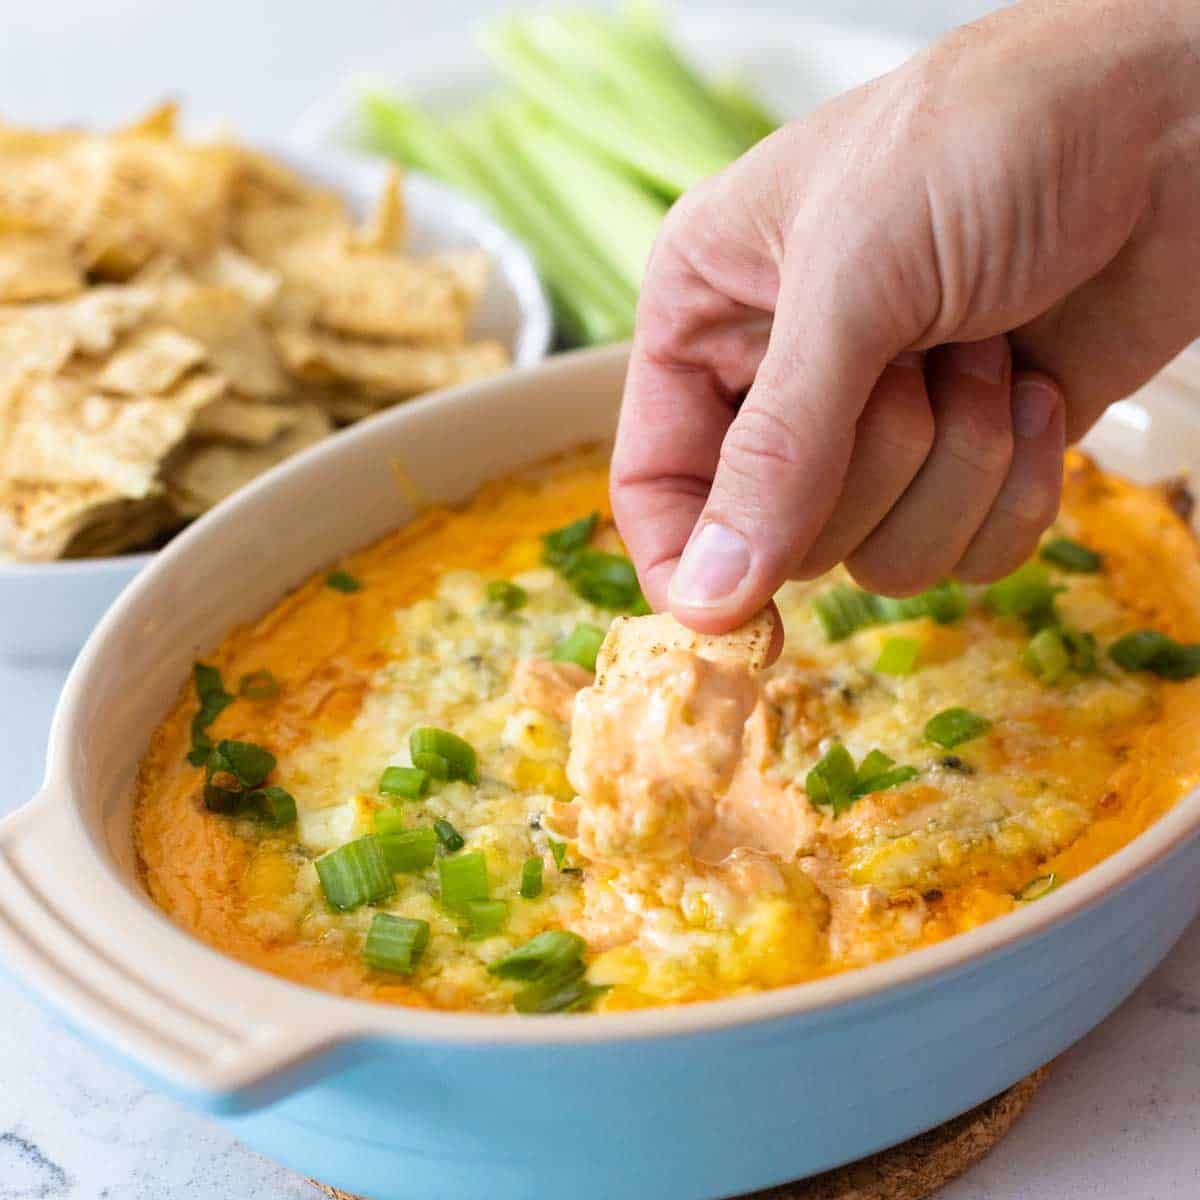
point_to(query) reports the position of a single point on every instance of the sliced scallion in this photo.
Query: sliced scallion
(1035, 889)
(506, 595)
(249, 762)
(1149, 650)
(1070, 556)
(258, 685)
(580, 646)
(844, 610)
(898, 656)
(559, 850)
(485, 918)
(953, 726)
(462, 877)
(434, 765)
(1054, 651)
(355, 874)
(608, 581)
(547, 951)
(405, 783)
(1028, 594)
(830, 783)
(944, 602)
(213, 700)
(390, 820)
(559, 545)
(459, 755)
(274, 805)
(408, 850)
(395, 943)
(342, 581)
(531, 878)
(449, 837)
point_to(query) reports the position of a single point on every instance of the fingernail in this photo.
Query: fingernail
(986, 360)
(1033, 406)
(713, 565)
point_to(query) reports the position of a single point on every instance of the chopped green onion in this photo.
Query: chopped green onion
(561, 991)
(213, 699)
(258, 685)
(390, 820)
(844, 610)
(275, 805)
(835, 782)
(560, 545)
(878, 772)
(406, 783)
(459, 755)
(1054, 651)
(1026, 593)
(944, 602)
(608, 581)
(223, 793)
(531, 878)
(1035, 889)
(450, 838)
(395, 943)
(559, 850)
(580, 646)
(250, 763)
(1149, 650)
(1071, 556)
(342, 581)
(408, 850)
(354, 874)
(549, 951)
(506, 595)
(953, 726)
(463, 877)
(898, 656)
(485, 918)
(434, 765)
(832, 780)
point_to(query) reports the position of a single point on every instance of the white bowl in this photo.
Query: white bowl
(48, 609)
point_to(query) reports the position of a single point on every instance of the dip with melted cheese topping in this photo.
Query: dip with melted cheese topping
(699, 829)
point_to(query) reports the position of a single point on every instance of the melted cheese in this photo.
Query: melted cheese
(1064, 777)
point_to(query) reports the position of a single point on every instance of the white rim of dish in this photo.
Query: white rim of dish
(346, 1019)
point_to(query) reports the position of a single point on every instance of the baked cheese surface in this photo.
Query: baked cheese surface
(803, 883)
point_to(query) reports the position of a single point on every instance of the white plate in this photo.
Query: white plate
(48, 609)
(790, 65)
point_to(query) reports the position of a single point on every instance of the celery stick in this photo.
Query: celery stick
(404, 131)
(616, 125)
(744, 107)
(601, 305)
(620, 218)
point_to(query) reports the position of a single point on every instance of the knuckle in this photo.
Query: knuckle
(891, 574)
(984, 449)
(759, 441)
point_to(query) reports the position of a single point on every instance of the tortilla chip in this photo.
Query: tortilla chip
(387, 227)
(227, 268)
(63, 431)
(121, 526)
(38, 520)
(203, 473)
(633, 642)
(34, 266)
(93, 320)
(245, 421)
(385, 370)
(151, 361)
(230, 331)
(159, 122)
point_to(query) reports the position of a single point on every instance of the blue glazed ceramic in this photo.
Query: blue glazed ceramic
(707, 1100)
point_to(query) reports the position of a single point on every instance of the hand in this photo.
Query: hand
(869, 339)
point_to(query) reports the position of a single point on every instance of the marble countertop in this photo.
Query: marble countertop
(1120, 1115)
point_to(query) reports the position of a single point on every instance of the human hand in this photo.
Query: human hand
(921, 291)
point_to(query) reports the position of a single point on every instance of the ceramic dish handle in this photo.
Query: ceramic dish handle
(110, 962)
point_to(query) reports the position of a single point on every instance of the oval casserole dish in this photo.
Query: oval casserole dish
(706, 1100)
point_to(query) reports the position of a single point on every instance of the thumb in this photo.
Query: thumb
(784, 457)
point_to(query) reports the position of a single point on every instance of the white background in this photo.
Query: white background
(1120, 1116)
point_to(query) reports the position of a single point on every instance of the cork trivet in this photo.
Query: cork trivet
(913, 1170)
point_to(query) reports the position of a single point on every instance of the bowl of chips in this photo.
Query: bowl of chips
(177, 316)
